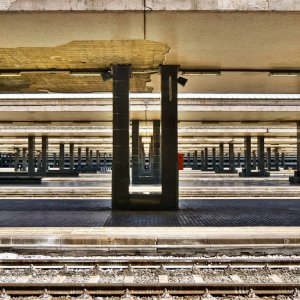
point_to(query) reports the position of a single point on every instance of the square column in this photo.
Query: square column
(169, 137)
(269, 159)
(189, 160)
(61, 156)
(79, 159)
(214, 159)
(282, 160)
(254, 160)
(135, 165)
(31, 155)
(247, 156)
(87, 155)
(276, 154)
(120, 168)
(239, 160)
(98, 160)
(44, 167)
(231, 157)
(39, 160)
(54, 160)
(17, 158)
(91, 159)
(296, 177)
(205, 159)
(156, 152)
(221, 157)
(72, 156)
(261, 154)
(195, 160)
(24, 159)
(202, 161)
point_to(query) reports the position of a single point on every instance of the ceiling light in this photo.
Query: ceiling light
(200, 73)
(84, 74)
(278, 73)
(10, 75)
(182, 81)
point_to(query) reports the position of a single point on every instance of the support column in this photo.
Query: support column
(120, 168)
(282, 160)
(61, 156)
(205, 159)
(296, 177)
(91, 159)
(169, 138)
(188, 160)
(231, 157)
(98, 160)
(44, 167)
(195, 160)
(239, 160)
(17, 158)
(71, 156)
(79, 166)
(276, 154)
(214, 159)
(156, 151)
(261, 154)
(105, 162)
(31, 155)
(221, 157)
(54, 160)
(254, 160)
(269, 159)
(202, 161)
(24, 159)
(135, 169)
(247, 156)
(87, 159)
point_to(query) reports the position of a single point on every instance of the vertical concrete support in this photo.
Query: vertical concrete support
(169, 137)
(17, 158)
(282, 160)
(261, 154)
(141, 157)
(105, 162)
(269, 159)
(221, 157)
(98, 160)
(214, 158)
(79, 160)
(87, 155)
(24, 159)
(189, 160)
(31, 155)
(91, 159)
(202, 161)
(61, 156)
(120, 169)
(39, 160)
(276, 154)
(254, 160)
(44, 167)
(239, 160)
(71, 156)
(10, 160)
(135, 169)
(156, 152)
(231, 157)
(205, 159)
(195, 160)
(54, 160)
(247, 159)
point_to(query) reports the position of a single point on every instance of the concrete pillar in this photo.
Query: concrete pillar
(156, 152)
(195, 160)
(24, 159)
(72, 156)
(39, 160)
(105, 162)
(120, 169)
(61, 156)
(214, 159)
(169, 137)
(98, 160)
(141, 157)
(31, 155)
(254, 160)
(282, 160)
(91, 159)
(239, 160)
(261, 154)
(44, 166)
(269, 159)
(79, 160)
(205, 159)
(135, 169)
(247, 156)
(87, 159)
(17, 158)
(202, 161)
(10, 160)
(231, 157)
(276, 154)
(221, 157)
(188, 160)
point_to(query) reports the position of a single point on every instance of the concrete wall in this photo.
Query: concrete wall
(101, 5)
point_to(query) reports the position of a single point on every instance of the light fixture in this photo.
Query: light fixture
(10, 75)
(182, 81)
(200, 73)
(84, 74)
(288, 74)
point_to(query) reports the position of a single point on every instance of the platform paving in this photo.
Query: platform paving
(192, 213)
